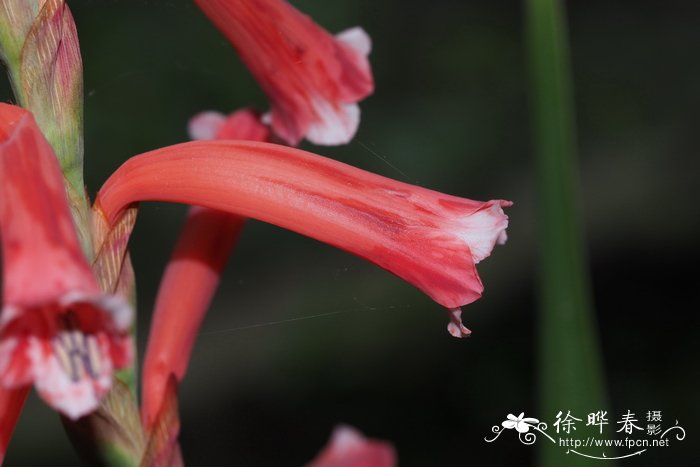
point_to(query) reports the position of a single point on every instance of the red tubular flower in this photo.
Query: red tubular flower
(313, 80)
(429, 239)
(193, 273)
(57, 329)
(188, 285)
(348, 448)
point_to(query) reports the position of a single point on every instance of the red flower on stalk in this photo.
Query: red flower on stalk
(429, 239)
(313, 80)
(58, 331)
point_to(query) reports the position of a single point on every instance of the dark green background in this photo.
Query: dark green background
(451, 113)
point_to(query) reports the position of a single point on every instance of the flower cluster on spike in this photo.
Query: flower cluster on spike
(62, 334)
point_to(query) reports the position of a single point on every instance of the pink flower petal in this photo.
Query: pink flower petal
(336, 125)
(67, 350)
(349, 448)
(244, 124)
(356, 38)
(205, 125)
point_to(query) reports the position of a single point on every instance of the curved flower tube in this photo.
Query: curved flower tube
(58, 331)
(429, 239)
(313, 80)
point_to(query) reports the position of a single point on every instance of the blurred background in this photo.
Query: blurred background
(302, 336)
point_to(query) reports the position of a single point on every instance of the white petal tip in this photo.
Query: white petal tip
(345, 438)
(334, 125)
(485, 228)
(74, 399)
(357, 38)
(75, 412)
(205, 125)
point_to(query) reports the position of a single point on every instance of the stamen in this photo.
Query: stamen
(62, 354)
(456, 328)
(93, 356)
(77, 354)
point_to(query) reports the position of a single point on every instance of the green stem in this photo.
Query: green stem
(571, 373)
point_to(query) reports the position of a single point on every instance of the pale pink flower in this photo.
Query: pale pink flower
(349, 448)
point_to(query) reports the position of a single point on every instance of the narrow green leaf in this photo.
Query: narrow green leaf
(571, 374)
